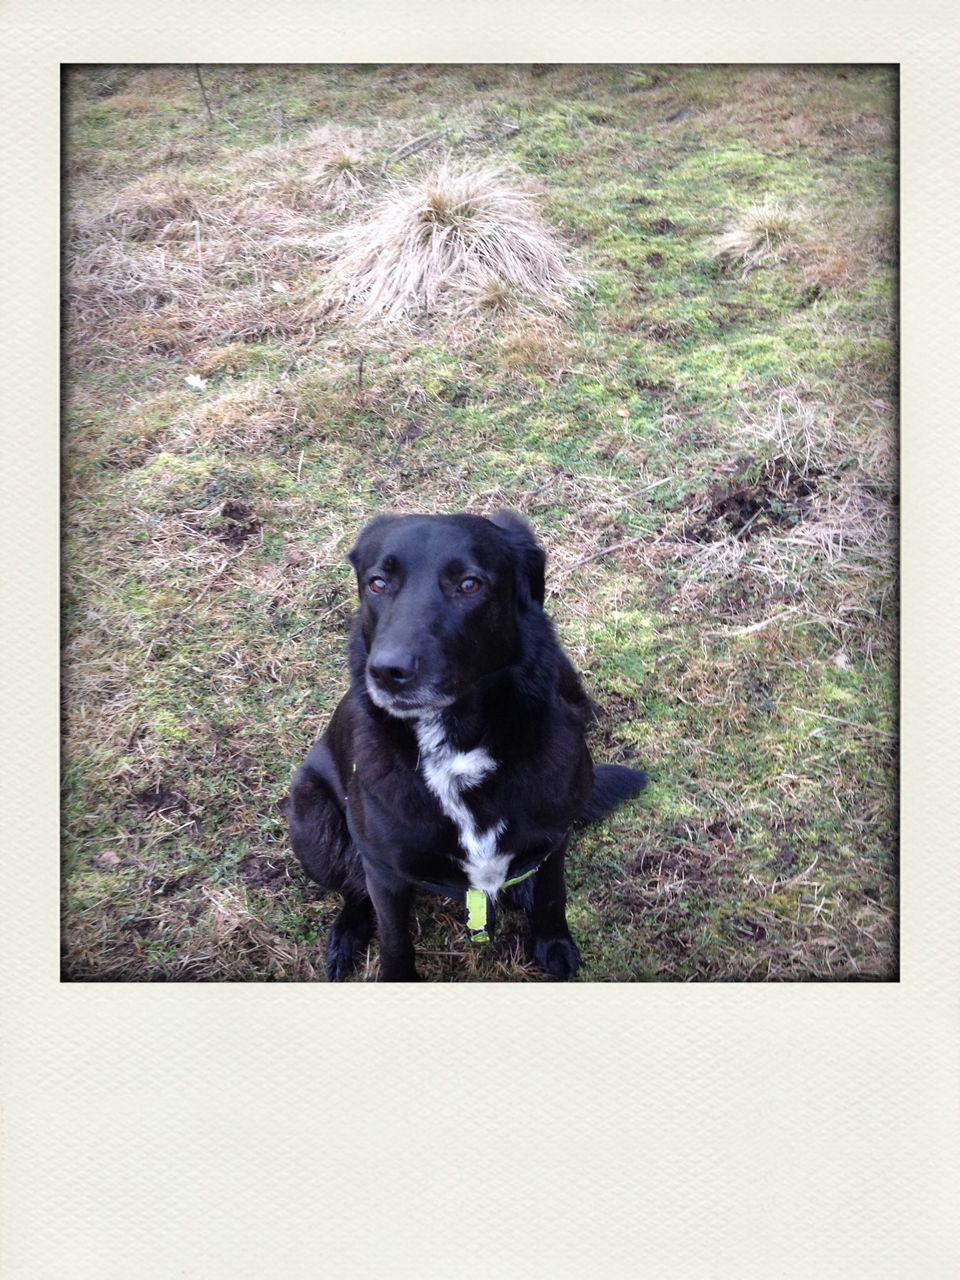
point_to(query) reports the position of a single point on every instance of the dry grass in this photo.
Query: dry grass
(159, 206)
(850, 520)
(762, 235)
(157, 84)
(166, 263)
(329, 168)
(237, 419)
(456, 240)
(535, 346)
(340, 170)
(820, 519)
(847, 252)
(795, 431)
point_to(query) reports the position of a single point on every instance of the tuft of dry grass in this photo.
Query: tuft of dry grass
(107, 278)
(536, 346)
(844, 253)
(451, 240)
(172, 85)
(762, 235)
(852, 519)
(797, 432)
(340, 173)
(161, 206)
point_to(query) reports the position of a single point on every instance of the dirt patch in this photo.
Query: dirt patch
(615, 710)
(265, 871)
(661, 227)
(238, 524)
(661, 388)
(160, 886)
(747, 930)
(233, 524)
(161, 799)
(692, 855)
(664, 330)
(142, 926)
(778, 499)
(129, 457)
(723, 832)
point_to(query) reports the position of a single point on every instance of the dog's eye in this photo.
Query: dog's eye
(470, 586)
(377, 586)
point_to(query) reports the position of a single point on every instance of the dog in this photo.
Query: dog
(457, 761)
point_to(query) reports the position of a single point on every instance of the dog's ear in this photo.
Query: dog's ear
(530, 557)
(361, 550)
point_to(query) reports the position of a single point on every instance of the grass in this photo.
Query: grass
(651, 309)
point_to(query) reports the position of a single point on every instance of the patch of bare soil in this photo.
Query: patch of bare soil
(163, 886)
(239, 524)
(779, 499)
(233, 524)
(160, 798)
(265, 871)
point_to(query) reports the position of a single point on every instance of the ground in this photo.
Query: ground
(704, 439)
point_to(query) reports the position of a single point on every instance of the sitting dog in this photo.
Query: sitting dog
(457, 761)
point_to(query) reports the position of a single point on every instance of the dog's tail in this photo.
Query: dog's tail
(612, 784)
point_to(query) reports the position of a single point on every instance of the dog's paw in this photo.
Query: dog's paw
(558, 957)
(399, 975)
(344, 949)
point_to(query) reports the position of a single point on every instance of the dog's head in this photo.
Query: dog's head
(442, 603)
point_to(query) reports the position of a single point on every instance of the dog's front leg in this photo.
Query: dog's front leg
(554, 950)
(392, 899)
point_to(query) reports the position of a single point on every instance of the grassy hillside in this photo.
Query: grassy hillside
(702, 432)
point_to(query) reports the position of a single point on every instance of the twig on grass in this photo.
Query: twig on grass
(214, 578)
(853, 724)
(608, 551)
(411, 148)
(206, 100)
(756, 626)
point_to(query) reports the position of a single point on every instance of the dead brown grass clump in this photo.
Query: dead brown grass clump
(172, 85)
(456, 240)
(796, 432)
(161, 206)
(852, 519)
(340, 173)
(762, 235)
(847, 253)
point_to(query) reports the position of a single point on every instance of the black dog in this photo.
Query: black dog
(457, 761)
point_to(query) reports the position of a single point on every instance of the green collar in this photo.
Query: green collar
(480, 909)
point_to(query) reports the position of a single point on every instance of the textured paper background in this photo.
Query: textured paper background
(528, 1131)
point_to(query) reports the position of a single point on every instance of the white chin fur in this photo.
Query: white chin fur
(424, 704)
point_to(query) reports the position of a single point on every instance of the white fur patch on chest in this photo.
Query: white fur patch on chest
(449, 773)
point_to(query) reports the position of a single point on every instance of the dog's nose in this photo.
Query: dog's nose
(393, 669)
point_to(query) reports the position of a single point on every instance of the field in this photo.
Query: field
(698, 414)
